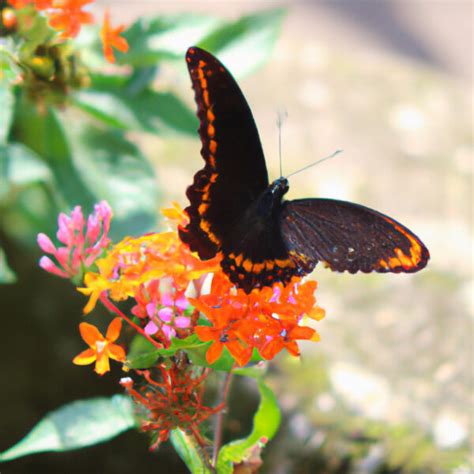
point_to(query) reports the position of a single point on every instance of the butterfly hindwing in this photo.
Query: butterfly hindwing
(254, 254)
(349, 237)
(234, 174)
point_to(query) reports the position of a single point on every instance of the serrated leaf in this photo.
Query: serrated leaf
(189, 452)
(265, 425)
(7, 275)
(76, 425)
(245, 44)
(124, 104)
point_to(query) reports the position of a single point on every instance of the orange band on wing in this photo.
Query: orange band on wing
(400, 259)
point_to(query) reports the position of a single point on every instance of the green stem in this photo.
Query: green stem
(220, 419)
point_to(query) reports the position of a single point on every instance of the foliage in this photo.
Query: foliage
(66, 142)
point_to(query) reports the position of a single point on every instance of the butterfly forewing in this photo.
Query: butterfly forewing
(349, 237)
(234, 174)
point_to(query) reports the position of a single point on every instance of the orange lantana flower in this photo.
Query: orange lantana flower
(134, 262)
(225, 332)
(43, 4)
(101, 348)
(111, 38)
(267, 319)
(68, 16)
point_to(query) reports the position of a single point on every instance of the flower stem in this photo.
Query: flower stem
(112, 308)
(220, 419)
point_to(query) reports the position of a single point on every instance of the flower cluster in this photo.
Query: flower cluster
(175, 297)
(267, 320)
(68, 16)
(81, 246)
(165, 280)
(175, 401)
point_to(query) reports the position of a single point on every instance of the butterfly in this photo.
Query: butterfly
(263, 239)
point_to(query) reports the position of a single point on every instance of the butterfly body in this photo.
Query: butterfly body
(262, 238)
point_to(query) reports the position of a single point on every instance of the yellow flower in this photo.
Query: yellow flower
(137, 261)
(101, 348)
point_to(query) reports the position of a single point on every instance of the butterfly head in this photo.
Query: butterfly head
(279, 187)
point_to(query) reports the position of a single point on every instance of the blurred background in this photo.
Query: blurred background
(390, 386)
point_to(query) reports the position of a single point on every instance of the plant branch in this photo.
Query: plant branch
(112, 308)
(220, 419)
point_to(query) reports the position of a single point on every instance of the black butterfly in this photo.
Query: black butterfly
(263, 239)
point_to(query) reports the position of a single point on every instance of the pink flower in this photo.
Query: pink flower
(81, 247)
(165, 307)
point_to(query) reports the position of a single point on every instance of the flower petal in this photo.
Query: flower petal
(90, 334)
(102, 364)
(113, 331)
(214, 352)
(85, 357)
(116, 352)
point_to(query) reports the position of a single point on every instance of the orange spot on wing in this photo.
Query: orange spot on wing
(210, 116)
(206, 227)
(212, 146)
(284, 263)
(269, 264)
(238, 259)
(402, 260)
(415, 249)
(247, 265)
(211, 130)
(205, 97)
(258, 267)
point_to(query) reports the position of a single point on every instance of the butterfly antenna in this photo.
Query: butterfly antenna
(332, 155)
(281, 117)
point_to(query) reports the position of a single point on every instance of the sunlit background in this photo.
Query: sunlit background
(391, 382)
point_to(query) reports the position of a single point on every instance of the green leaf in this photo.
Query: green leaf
(143, 354)
(164, 37)
(44, 133)
(7, 275)
(125, 104)
(245, 44)
(19, 167)
(265, 425)
(141, 78)
(114, 169)
(76, 425)
(225, 363)
(8, 66)
(34, 30)
(189, 451)
(7, 101)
